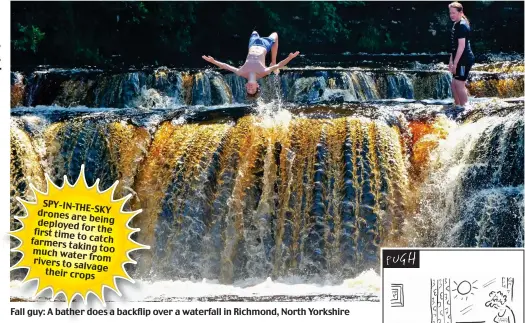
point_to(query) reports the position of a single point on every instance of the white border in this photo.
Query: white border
(370, 312)
(5, 107)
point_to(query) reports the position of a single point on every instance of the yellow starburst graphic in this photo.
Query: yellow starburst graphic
(76, 239)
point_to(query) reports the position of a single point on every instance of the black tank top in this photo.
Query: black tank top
(461, 30)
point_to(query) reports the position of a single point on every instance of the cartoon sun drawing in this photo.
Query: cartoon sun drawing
(464, 289)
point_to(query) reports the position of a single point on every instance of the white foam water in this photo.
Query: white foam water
(366, 284)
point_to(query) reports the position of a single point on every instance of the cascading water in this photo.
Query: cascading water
(249, 201)
(300, 187)
(400, 86)
(164, 88)
(473, 196)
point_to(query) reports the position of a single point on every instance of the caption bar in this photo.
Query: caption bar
(218, 311)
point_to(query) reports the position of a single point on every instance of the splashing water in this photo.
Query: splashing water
(278, 193)
(474, 193)
(94, 88)
(265, 196)
(272, 113)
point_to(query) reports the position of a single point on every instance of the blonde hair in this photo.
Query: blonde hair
(459, 7)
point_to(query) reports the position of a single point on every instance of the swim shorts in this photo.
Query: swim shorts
(256, 40)
(462, 71)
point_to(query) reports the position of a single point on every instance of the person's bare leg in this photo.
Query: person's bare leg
(275, 47)
(462, 92)
(253, 32)
(454, 91)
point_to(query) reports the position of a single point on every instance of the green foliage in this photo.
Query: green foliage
(370, 41)
(331, 24)
(479, 46)
(352, 3)
(178, 33)
(136, 12)
(388, 42)
(267, 11)
(30, 38)
(92, 55)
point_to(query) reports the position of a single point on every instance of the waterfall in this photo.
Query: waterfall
(237, 87)
(309, 182)
(17, 89)
(167, 91)
(24, 169)
(503, 85)
(473, 196)
(222, 201)
(399, 85)
(432, 85)
(164, 88)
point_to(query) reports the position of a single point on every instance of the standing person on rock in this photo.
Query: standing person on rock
(254, 67)
(461, 55)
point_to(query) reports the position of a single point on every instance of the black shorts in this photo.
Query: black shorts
(462, 71)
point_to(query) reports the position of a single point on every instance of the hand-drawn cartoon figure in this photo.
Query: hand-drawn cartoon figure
(498, 301)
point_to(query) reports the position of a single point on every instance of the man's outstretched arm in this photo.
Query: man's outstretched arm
(224, 66)
(281, 63)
